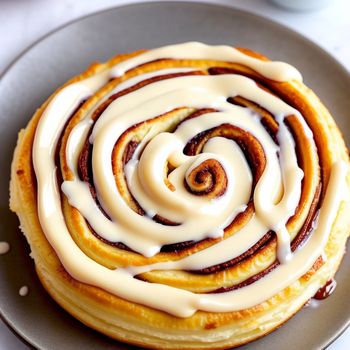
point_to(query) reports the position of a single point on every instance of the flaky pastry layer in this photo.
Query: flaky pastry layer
(141, 325)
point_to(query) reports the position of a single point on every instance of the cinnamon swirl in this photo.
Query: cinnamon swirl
(189, 196)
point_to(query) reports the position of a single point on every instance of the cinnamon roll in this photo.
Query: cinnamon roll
(184, 197)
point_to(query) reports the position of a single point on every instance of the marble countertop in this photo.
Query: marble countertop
(23, 22)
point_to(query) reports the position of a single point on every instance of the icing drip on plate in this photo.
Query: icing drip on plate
(221, 168)
(23, 291)
(4, 248)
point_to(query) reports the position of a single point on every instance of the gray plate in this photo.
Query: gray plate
(68, 51)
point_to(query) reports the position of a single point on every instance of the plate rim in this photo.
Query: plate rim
(12, 327)
(23, 52)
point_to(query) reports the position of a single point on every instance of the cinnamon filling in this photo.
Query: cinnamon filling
(209, 178)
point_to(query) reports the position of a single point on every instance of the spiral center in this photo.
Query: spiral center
(207, 179)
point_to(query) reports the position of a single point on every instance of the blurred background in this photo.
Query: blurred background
(327, 22)
(22, 22)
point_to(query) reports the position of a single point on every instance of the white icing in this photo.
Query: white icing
(4, 248)
(80, 131)
(279, 71)
(276, 194)
(313, 303)
(23, 291)
(199, 218)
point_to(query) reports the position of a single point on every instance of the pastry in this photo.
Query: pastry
(184, 197)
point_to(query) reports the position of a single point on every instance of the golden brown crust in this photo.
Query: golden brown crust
(141, 325)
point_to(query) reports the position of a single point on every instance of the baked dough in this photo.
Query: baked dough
(147, 326)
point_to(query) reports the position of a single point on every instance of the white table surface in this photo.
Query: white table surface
(24, 21)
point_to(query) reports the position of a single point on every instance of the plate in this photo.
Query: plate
(50, 62)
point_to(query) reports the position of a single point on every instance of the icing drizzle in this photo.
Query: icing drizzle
(276, 195)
